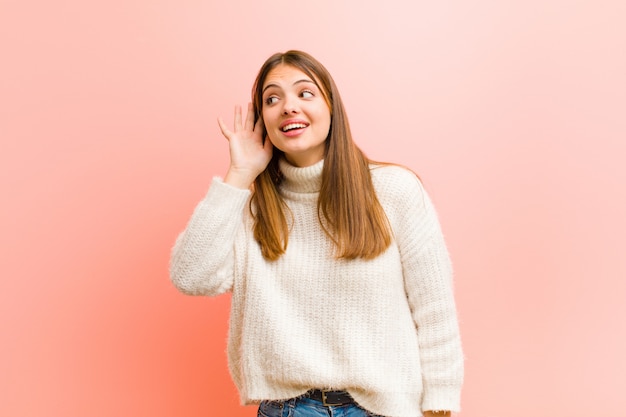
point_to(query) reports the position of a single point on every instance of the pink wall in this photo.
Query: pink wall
(513, 113)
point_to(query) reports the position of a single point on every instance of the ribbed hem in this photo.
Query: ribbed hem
(442, 397)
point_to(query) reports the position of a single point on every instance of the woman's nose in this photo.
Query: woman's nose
(290, 106)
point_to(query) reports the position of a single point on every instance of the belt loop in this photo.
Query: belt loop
(288, 407)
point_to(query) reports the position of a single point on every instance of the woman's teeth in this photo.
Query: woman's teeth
(293, 126)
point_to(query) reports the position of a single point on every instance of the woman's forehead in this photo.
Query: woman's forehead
(285, 74)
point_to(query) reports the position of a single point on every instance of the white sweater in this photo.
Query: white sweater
(385, 329)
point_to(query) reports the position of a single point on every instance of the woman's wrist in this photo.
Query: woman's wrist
(238, 178)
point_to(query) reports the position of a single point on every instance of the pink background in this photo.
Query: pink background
(512, 112)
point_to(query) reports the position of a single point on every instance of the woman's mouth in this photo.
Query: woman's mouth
(293, 126)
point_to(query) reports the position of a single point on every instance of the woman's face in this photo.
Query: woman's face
(296, 116)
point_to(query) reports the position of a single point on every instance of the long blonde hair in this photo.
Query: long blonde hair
(348, 208)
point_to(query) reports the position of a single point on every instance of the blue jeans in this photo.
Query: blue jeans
(307, 407)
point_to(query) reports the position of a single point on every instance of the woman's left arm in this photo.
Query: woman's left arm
(428, 280)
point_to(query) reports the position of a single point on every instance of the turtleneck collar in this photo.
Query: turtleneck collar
(305, 180)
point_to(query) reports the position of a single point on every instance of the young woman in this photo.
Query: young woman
(342, 298)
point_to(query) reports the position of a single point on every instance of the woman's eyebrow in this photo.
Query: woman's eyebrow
(304, 80)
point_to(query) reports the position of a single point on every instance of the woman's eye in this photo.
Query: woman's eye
(271, 100)
(306, 94)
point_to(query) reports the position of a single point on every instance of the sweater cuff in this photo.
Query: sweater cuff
(221, 192)
(442, 398)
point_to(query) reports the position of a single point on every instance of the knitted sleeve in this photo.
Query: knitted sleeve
(202, 258)
(428, 280)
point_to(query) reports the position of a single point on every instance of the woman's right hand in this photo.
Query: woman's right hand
(248, 154)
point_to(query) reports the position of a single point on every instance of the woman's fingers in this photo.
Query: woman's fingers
(238, 125)
(227, 133)
(241, 130)
(258, 129)
(249, 124)
(249, 118)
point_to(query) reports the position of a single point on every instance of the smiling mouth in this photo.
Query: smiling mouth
(292, 126)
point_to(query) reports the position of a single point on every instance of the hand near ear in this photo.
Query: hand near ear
(248, 154)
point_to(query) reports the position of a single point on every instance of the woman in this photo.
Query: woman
(342, 298)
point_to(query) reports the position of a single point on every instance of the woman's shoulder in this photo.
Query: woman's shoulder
(394, 177)
(400, 190)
